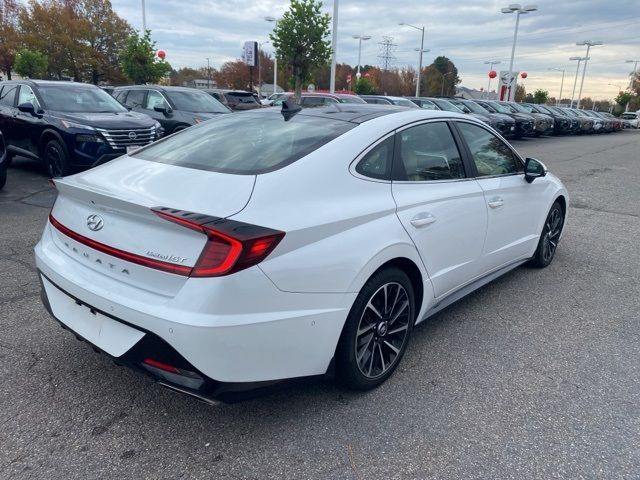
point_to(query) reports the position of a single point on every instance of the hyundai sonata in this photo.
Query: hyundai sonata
(277, 244)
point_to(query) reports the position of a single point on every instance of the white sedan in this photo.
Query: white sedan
(278, 244)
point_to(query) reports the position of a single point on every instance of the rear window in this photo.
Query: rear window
(246, 143)
(195, 101)
(241, 97)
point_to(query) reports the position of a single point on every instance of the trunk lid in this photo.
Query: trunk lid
(119, 196)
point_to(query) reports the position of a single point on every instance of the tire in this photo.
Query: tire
(376, 335)
(56, 159)
(549, 238)
(3, 173)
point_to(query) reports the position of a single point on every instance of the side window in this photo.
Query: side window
(312, 101)
(428, 152)
(8, 95)
(135, 98)
(155, 99)
(377, 162)
(120, 95)
(26, 95)
(490, 154)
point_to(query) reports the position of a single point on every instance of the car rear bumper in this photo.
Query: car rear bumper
(232, 330)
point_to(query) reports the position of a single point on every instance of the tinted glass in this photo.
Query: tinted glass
(474, 107)
(8, 95)
(351, 99)
(401, 102)
(377, 163)
(120, 95)
(77, 98)
(26, 95)
(155, 99)
(196, 102)
(241, 97)
(500, 108)
(312, 101)
(490, 154)
(446, 106)
(245, 143)
(428, 152)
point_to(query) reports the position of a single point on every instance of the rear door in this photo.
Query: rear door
(440, 207)
(513, 206)
(7, 112)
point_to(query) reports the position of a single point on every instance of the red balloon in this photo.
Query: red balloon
(162, 54)
(523, 74)
(493, 74)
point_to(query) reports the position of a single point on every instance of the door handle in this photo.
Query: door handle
(496, 202)
(422, 219)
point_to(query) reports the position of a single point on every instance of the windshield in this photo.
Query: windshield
(350, 99)
(401, 102)
(475, 108)
(197, 102)
(78, 99)
(500, 108)
(519, 108)
(446, 105)
(528, 108)
(240, 97)
(246, 144)
(629, 116)
(543, 109)
(461, 106)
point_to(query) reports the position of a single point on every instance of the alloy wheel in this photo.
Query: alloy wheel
(54, 162)
(552, 230)
(382, 330)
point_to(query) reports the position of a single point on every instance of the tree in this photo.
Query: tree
(540, 96)
(139, 62)
(8, 34)
(440, 78)
(31, 64)
(363, 86)
(521, 93)
(300, 39)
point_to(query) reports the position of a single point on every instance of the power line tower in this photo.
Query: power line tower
(386, 58)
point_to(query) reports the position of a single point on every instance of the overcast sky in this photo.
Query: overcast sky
(467, 31)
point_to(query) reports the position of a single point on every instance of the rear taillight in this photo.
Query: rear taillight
(231, 245)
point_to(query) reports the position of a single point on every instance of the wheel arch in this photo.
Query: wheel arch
(45, 137)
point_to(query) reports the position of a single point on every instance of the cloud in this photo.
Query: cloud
(468, 32)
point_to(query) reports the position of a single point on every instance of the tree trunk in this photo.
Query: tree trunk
(298, 89)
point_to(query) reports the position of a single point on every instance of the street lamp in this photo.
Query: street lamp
(589, 44)
(491, 63)
(275, 57)
(360, 38)
(144, 19)
(334, 41)
(208, 74)
(519, 10)
(561, 83)
(575, 81)
(260, 44)
(635, 65)
(421, 50)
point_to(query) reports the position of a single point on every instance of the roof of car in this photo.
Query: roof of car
(360, 113)
(224, 90)
(48, 82)
(161, 87)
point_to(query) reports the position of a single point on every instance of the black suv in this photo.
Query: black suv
(176, 108)
(69, 125)
(3, 162)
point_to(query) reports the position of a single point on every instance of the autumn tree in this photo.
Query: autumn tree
(139, 61)
(300, 39)
(9, 40)
(440, 78)
(31, 64)
(521, 93)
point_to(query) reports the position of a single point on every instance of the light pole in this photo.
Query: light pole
(334, 41)
(260, 67)
(635, 65)
(275, 57)
(561, 83)
(208, 74)
(491, 63)
(519, 10)
(360, 38)
(443, 75)
(589, 44)
(575, 81)
(144, 19)
(421, 50)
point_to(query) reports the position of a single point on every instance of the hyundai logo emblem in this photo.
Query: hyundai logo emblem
(95, 222)
(133, 135)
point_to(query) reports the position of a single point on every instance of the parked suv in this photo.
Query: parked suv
(176, 108)
(3, 162)
(69, 125)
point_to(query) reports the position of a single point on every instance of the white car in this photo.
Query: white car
(277, 244)
(632, 119)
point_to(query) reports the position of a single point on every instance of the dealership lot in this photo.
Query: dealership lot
(536, 375)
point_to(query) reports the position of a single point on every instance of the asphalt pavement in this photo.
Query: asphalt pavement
(535, 376)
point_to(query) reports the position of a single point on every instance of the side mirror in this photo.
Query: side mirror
(27, 107)
(162, 109)
(533, 169)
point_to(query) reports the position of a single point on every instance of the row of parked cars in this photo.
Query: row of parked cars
(70, 126)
